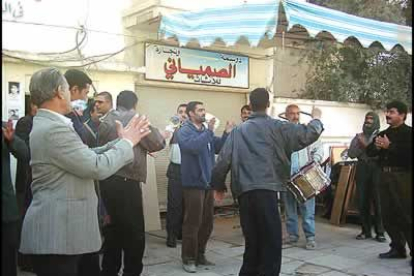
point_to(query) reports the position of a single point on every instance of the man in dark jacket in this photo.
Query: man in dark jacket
(394, 148)
(10, 143)
(79, 85)
(197, 146)
(258, 153)
(122, 194)
(24, 178)
(367, 178)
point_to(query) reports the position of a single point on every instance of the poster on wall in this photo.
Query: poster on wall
(13, 113)
(14, 90)
(183, 65)
(14, 101)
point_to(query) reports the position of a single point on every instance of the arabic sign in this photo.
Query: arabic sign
(173, 64)
(12, 9)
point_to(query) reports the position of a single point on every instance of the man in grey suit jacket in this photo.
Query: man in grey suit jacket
(61, 223)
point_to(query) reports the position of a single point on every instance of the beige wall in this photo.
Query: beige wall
(289, 72)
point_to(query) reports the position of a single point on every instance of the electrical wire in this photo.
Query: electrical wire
(64, 27)
(45, 62)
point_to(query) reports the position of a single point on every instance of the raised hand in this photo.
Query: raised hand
(137, 128)
(316, 113)
(361, 140)
(229, 126)
(382, 142)
(211, 124)
(8, 131)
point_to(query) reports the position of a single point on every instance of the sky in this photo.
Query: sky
(97, 15)
(101, 15)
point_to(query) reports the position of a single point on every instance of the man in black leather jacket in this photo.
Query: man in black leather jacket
(258, 153)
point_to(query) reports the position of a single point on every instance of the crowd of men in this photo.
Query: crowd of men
(81, 171)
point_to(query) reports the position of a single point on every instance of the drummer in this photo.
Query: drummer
(314, 152)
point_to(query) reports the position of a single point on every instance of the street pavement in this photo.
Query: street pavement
(338, 254)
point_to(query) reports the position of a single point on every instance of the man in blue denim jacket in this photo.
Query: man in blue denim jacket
(314, 152)
(198, 145)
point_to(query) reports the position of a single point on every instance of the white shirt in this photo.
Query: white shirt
(175, 154)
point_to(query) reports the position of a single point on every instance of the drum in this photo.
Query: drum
(310, 181)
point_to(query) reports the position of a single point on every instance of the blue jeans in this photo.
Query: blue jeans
(307, 210)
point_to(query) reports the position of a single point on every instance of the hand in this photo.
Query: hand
(211, 124)
(106, 220)
(229, 126)
(382, 142)
(166, 134)
(361, 140)
(137, 128)
(8, 131)
(316, 113)
(219, 196)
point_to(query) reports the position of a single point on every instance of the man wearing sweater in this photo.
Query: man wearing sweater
(197, 146)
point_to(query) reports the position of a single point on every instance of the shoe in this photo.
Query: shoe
(203, 261)
(310, 245)
(293, 240)
(380, 238)
(393, 254)
(189, 267)
(363, 236)
(171, 242)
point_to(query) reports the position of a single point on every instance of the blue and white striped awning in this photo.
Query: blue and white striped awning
(255, 21)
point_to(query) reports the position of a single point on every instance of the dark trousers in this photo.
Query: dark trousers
(396, 204)
(198, 222)
(9, 242)
(53, 265)
(126, 233)
(174, 219)
(88, 264)
(65, 265)
(367, 178)
(262, 230)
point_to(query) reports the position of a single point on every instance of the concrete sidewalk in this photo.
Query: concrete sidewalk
(338, 254)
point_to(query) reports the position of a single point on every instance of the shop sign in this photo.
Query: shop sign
(183, 65)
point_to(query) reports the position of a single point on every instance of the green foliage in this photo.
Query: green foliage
(388, 11)
(354, 74)
(349, 73)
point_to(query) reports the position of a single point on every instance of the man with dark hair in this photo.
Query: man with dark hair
(197, 146)
(92, 124)
(127, 99)
(79, 85)
(245, 112)
(367, 178)
(122, 194)
(258, 153)
(394, 148)
(103, 103)
(174, 218)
